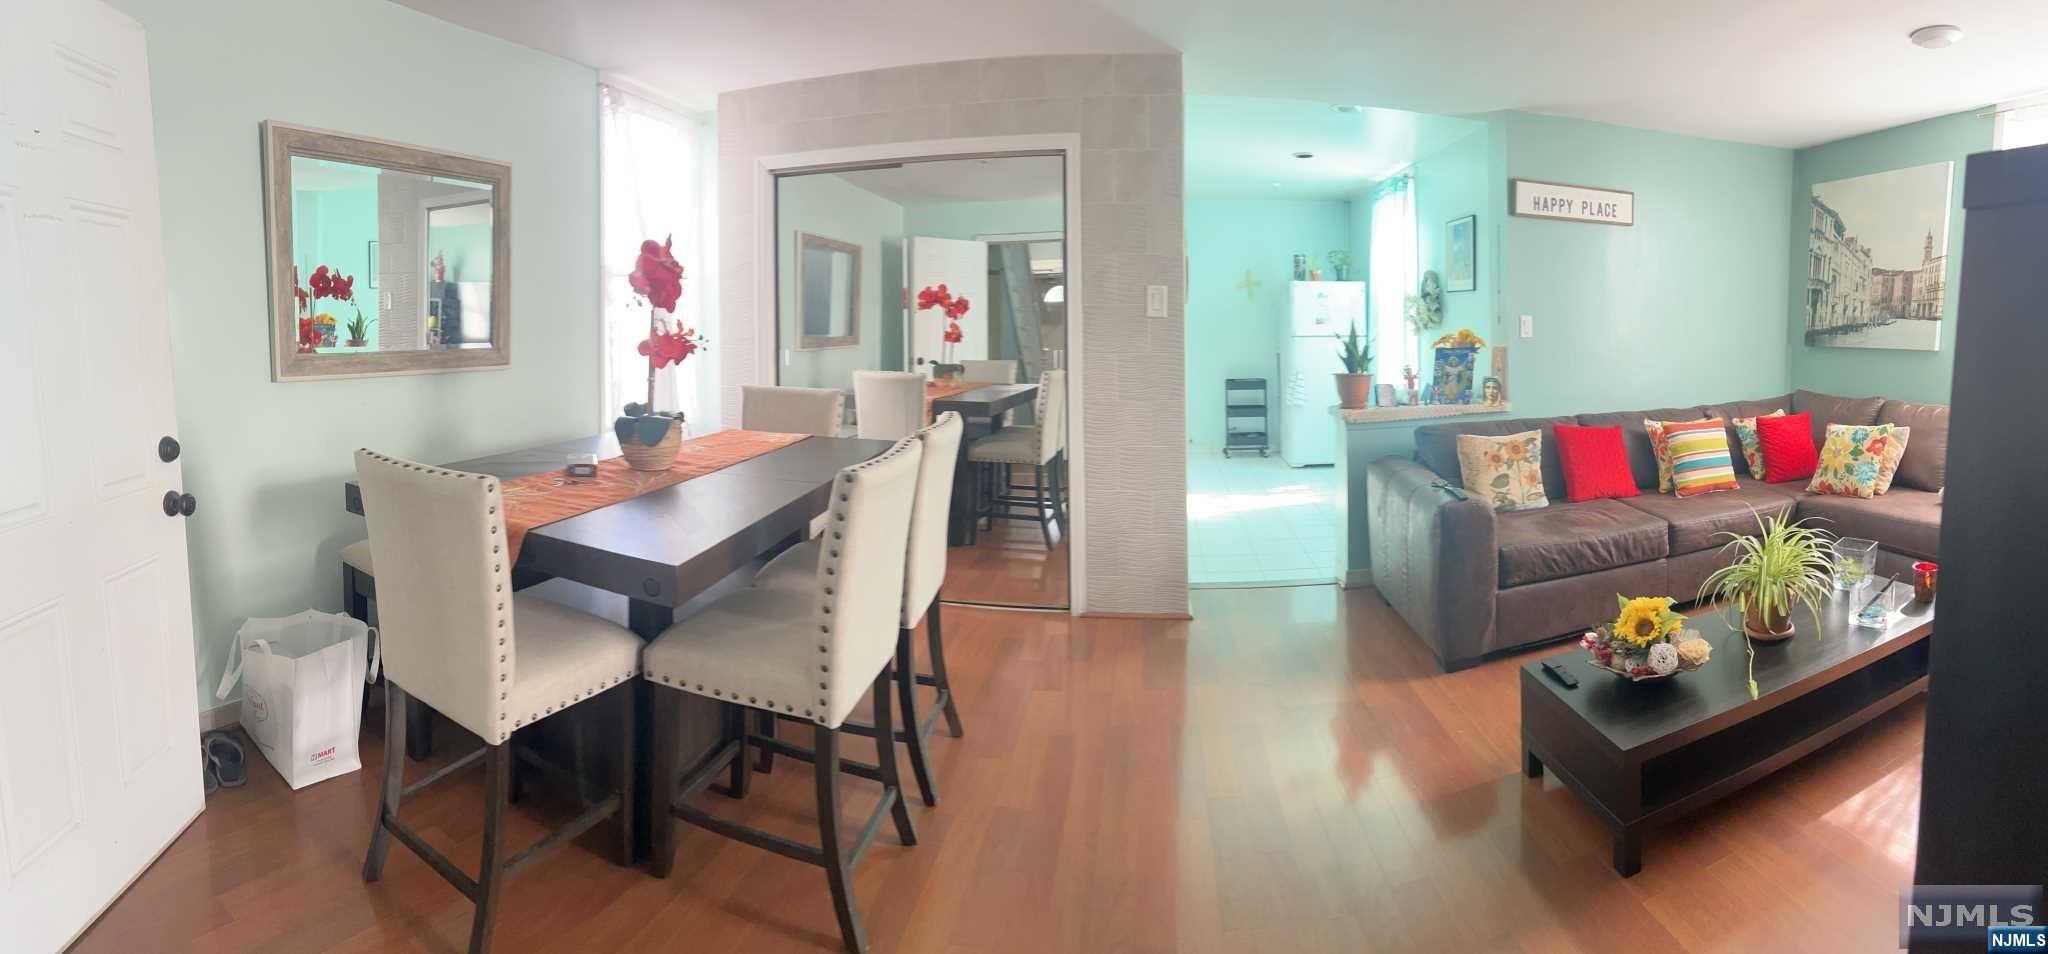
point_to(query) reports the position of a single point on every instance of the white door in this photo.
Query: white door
(99, 760)
(962, 266)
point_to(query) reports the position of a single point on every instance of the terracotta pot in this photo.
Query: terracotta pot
(1354, 391)
(358, 342)
(1778, 626)
(657, 458)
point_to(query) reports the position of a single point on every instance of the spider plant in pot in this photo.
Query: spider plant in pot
(1354, 385)
(1786, 565)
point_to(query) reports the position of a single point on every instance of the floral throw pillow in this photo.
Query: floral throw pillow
(1752, 450)
(1894, 450)
(1662, 448)
(1505, 471)
(1851, 458)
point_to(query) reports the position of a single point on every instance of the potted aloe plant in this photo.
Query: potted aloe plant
(648, 438)
(1354, 385)
(1786, 565)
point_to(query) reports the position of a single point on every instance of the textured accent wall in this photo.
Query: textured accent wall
(1127, 111)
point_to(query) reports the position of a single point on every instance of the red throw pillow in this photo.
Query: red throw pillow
(1787, 444)
(1595, 464)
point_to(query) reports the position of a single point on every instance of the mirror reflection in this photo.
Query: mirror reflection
(387, 260)
(955, 271)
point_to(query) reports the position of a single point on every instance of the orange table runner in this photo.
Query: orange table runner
(543, 498)
(934, 390)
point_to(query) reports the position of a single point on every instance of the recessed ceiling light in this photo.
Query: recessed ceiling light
(1937, 36)
(1348, 108)
(1304, 155)
(1276, 185)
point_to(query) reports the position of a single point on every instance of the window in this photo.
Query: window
(2021, 123)
(1392, 275)
(655, 181)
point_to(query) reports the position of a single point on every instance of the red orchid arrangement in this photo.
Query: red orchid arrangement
(325, 283)
(954, 308)
(657, 278)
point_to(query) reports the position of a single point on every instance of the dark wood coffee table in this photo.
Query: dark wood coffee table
(1642, 754)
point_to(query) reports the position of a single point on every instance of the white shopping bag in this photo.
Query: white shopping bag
(302, 691)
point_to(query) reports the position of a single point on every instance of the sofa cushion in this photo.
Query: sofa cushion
(1436, 446)
(1595, 463)
(1730, 410)
(1698, 522)
(1828, 409)
(1635, 439)
(1925, 466)
(1503, 471)
(1572, 538)
(1904, 520)
(1788, 451)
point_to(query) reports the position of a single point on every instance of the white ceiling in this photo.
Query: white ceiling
(1004, 179)
(1241, 147)
(1766, 71)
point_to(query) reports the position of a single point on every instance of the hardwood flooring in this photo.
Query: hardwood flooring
(1009, 566)
(1287, 772)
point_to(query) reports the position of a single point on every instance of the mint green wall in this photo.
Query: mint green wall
(267, 460)
(1449, 184)
(1228, 334)
(1906, 375)
(466, 249)
(1684, 307)
(970, 220)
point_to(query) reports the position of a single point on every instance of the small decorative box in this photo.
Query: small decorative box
(582, 465)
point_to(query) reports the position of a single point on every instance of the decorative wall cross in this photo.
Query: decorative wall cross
(1250, 285)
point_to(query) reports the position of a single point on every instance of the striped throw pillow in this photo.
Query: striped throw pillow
(1700, 462)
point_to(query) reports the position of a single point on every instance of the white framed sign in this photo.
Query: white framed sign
(1551, 200)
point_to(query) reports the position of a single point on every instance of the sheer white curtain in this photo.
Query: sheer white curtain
(1392, 274)
(655, 180)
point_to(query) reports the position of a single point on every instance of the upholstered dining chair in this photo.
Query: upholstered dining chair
(810, 656)
(814, 411)
(456, 637)
(923, 572)
(888, 405)
(1042, 447)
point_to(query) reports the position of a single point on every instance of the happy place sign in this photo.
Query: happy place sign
(1551, 200)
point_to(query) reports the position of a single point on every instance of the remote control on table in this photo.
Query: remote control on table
(1558, 673)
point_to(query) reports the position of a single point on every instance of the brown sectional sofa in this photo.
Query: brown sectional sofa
(1473, 583)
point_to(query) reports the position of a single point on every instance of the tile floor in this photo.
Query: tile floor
(1255, 521)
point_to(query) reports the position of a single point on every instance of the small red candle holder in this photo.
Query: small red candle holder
(1924, 574)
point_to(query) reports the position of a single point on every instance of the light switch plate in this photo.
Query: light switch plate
(1155, 301)
(1528, 326)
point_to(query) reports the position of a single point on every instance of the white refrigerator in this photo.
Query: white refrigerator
(1316, 312)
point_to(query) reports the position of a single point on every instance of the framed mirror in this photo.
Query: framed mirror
(384, 258)
(828, 293)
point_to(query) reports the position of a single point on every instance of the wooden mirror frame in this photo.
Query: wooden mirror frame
(281, 142)
(805, 342)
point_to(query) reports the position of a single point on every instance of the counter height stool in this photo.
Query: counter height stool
(814, 411)
(924, 570)
(359, 599)
(456, 637)
(888, 405)
(765, 650)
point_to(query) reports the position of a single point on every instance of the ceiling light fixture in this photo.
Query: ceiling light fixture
(1936, 37)
(1348, 108)
(1304, 155)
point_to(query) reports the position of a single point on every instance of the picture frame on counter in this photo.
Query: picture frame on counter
(1536, 199)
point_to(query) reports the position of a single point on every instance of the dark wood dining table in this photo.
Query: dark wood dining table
(982, 410)
(660, 550)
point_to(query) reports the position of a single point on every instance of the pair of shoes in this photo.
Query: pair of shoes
(223, 760)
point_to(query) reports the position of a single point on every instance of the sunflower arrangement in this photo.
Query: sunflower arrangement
(1646, 640)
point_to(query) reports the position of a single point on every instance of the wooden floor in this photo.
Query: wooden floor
(1288, 772)
(1009, 566)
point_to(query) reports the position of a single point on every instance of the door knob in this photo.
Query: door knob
(179, 505)
(167, 449)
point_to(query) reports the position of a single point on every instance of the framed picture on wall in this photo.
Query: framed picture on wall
(1461, 254)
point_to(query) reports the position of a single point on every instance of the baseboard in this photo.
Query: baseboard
(1137, 616)
(1353, 579)
(220, 716)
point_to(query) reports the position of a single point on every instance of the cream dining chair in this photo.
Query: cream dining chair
(888, 405)
(808, 656)
(457, 638)
(814, 411)
(924, 572)
(1040, 446)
